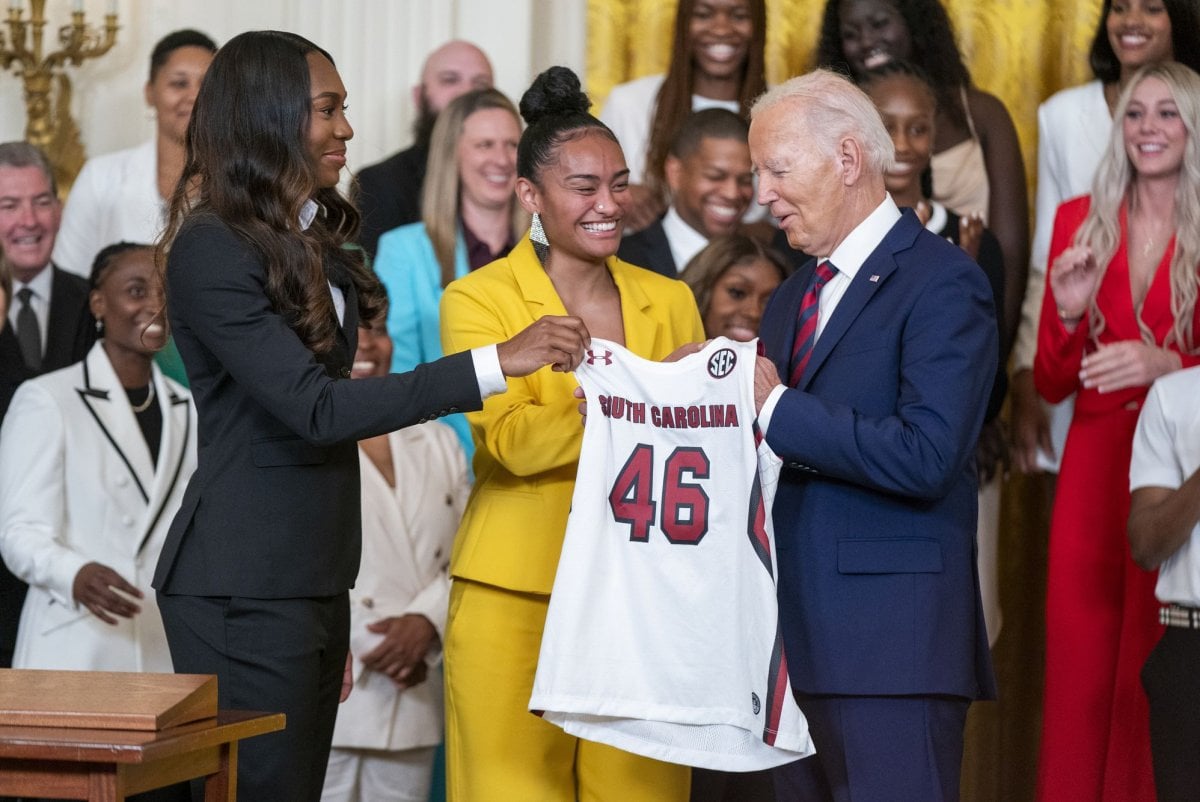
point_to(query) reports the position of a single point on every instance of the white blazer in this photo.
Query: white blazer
(77, 485)
(114, 198)
(407, 532)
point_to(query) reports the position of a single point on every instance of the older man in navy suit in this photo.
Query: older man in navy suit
(886, 342)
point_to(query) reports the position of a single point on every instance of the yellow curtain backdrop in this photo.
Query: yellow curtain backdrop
(1020, 50)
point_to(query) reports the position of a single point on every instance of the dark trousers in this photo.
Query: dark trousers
(1169, 678)
(275, 655)
(709, 785)
(872, 747)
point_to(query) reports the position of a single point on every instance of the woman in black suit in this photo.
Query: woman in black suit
(265, 301)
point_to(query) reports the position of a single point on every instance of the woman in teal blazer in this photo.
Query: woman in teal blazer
(469, 219)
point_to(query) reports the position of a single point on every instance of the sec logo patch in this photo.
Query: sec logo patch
(721, 363)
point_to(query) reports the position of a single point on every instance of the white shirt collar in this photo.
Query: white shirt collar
(308, 213)
(862, 241)
(684, 240)
(40, 284)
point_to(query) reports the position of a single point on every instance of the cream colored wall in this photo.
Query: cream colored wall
(378, 44)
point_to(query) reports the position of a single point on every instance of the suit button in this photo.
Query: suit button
(126, 520)
(345, 373)
(454, 409)
(438, 554)
(122, 481)
(449, 500)
(368, 602)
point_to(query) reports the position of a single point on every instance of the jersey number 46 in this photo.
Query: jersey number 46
(684, 503)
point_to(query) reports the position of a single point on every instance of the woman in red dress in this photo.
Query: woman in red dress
(1119, 312)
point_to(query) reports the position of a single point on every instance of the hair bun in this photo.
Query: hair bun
(556, 91)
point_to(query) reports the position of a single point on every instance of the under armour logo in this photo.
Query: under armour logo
(592, 356)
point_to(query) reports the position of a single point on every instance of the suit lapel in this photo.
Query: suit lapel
(871, 277)
(104, 398)
(643, 333)
(66, 315)
(660, 246)
(172, 451)
(536, 288)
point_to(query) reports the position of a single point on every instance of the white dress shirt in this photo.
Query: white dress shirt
(486, 359)
(848, 257)
(684, 240)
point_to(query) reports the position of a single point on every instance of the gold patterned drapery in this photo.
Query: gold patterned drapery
(1022, 51)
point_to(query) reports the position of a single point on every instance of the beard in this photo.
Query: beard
(423, 125)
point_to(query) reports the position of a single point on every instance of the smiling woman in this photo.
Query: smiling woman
(1119, 311)
(572, 177)
(94, 459)
(123, 195)
(470, 217)
(265, 302)
(717, 61)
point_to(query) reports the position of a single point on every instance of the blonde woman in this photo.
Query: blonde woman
(470, 217)
(1119, 311)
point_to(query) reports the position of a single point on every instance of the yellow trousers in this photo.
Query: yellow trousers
(496, 750)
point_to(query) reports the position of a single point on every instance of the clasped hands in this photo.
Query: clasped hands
(105, 593)
(400, 656)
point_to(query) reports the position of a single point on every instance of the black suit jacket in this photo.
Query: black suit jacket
(273, 510)
(70, 332)
(388, 195)
(649, 248)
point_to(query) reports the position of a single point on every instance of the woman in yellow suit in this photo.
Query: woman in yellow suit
(572, 178)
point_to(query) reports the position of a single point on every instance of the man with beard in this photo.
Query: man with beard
(389, 193)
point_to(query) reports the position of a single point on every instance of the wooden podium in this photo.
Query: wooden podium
(103, 735)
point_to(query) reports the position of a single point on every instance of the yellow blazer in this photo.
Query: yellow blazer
(527, 440)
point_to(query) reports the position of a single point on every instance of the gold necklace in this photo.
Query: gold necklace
(145, 405)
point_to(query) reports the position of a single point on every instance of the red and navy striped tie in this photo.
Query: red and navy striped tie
(806, 322)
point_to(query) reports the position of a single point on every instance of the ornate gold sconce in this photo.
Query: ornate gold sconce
(49, 124)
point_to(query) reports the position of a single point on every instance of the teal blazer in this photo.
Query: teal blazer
(406, 265)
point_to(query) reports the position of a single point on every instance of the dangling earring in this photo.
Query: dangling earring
(99, 327)
(536, 232)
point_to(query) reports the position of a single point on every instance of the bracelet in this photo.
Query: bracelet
(1069, 319)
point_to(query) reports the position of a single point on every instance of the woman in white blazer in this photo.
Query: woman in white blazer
(414, 488)
(94, 459)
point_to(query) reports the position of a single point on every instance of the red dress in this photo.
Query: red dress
(1101, 613)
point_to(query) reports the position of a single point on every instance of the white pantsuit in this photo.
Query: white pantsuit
(78, 485)
(383, 740)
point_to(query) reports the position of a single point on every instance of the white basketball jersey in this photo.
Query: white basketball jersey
(662, 636)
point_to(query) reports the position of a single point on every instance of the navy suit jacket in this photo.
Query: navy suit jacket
(650, 249)
(875, 513)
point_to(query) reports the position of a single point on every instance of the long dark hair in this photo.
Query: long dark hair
(248, 164)
(674, 101)
(1185, 39)
(934, 50)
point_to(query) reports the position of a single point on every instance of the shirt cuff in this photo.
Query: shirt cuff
(768, 408)
(487, 371)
